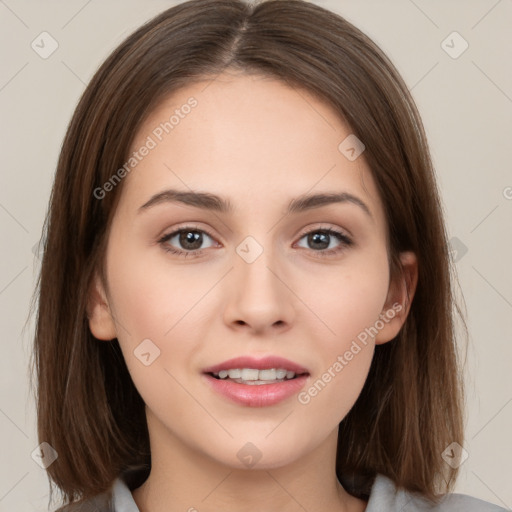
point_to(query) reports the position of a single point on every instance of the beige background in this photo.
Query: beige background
(466, 104)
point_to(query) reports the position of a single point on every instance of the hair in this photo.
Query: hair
(89, 411)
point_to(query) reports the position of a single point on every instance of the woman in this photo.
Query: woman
(298, 353)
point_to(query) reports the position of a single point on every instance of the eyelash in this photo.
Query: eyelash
(344, 240)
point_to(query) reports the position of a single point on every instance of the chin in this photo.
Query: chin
(253, 453)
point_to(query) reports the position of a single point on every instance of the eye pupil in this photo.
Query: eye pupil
(191, 237)
(319, 237)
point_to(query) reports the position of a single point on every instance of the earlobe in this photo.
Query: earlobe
(101, 322)
(400, 296)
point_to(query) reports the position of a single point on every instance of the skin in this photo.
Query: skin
(258, 143)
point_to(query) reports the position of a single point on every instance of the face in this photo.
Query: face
(255, 269)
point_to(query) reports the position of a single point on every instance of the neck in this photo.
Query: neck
(184, 479)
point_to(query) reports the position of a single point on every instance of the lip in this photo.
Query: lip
(263, 395)
(254, 395)
(257, 364)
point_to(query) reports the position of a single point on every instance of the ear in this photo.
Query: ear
(398, 302)
(101, 321)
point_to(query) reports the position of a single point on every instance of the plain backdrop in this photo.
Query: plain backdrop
(462, 84)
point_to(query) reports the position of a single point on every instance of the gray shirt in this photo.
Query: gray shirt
(384, 497)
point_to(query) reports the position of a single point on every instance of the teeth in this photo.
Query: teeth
(249, 374)
(254, 376)
(267, 374)
(281, 374)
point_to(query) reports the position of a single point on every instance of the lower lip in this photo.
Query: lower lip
(261, 395)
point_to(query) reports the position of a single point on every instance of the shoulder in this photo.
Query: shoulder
(118, 498)
(385, 496)
(100, 503)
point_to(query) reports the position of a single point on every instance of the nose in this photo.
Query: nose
(260, 298)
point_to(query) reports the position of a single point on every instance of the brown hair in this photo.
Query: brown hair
(89, 410)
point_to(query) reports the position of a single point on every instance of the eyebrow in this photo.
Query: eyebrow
(208, 201)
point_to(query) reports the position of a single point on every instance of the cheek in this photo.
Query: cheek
(151, 298)
(330, 396)
(163, 303)
(349, 299)
(348, 303)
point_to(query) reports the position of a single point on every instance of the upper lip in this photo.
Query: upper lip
(257, 364)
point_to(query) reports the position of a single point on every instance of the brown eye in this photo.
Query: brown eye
(321, 241)
(186, 241)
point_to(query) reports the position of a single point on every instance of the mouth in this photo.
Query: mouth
(256, 382)
(256, 371)
(255, 377)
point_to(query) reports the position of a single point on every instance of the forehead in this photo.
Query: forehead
(249, 138)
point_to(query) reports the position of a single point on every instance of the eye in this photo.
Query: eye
(189, 240)
(321, 241)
